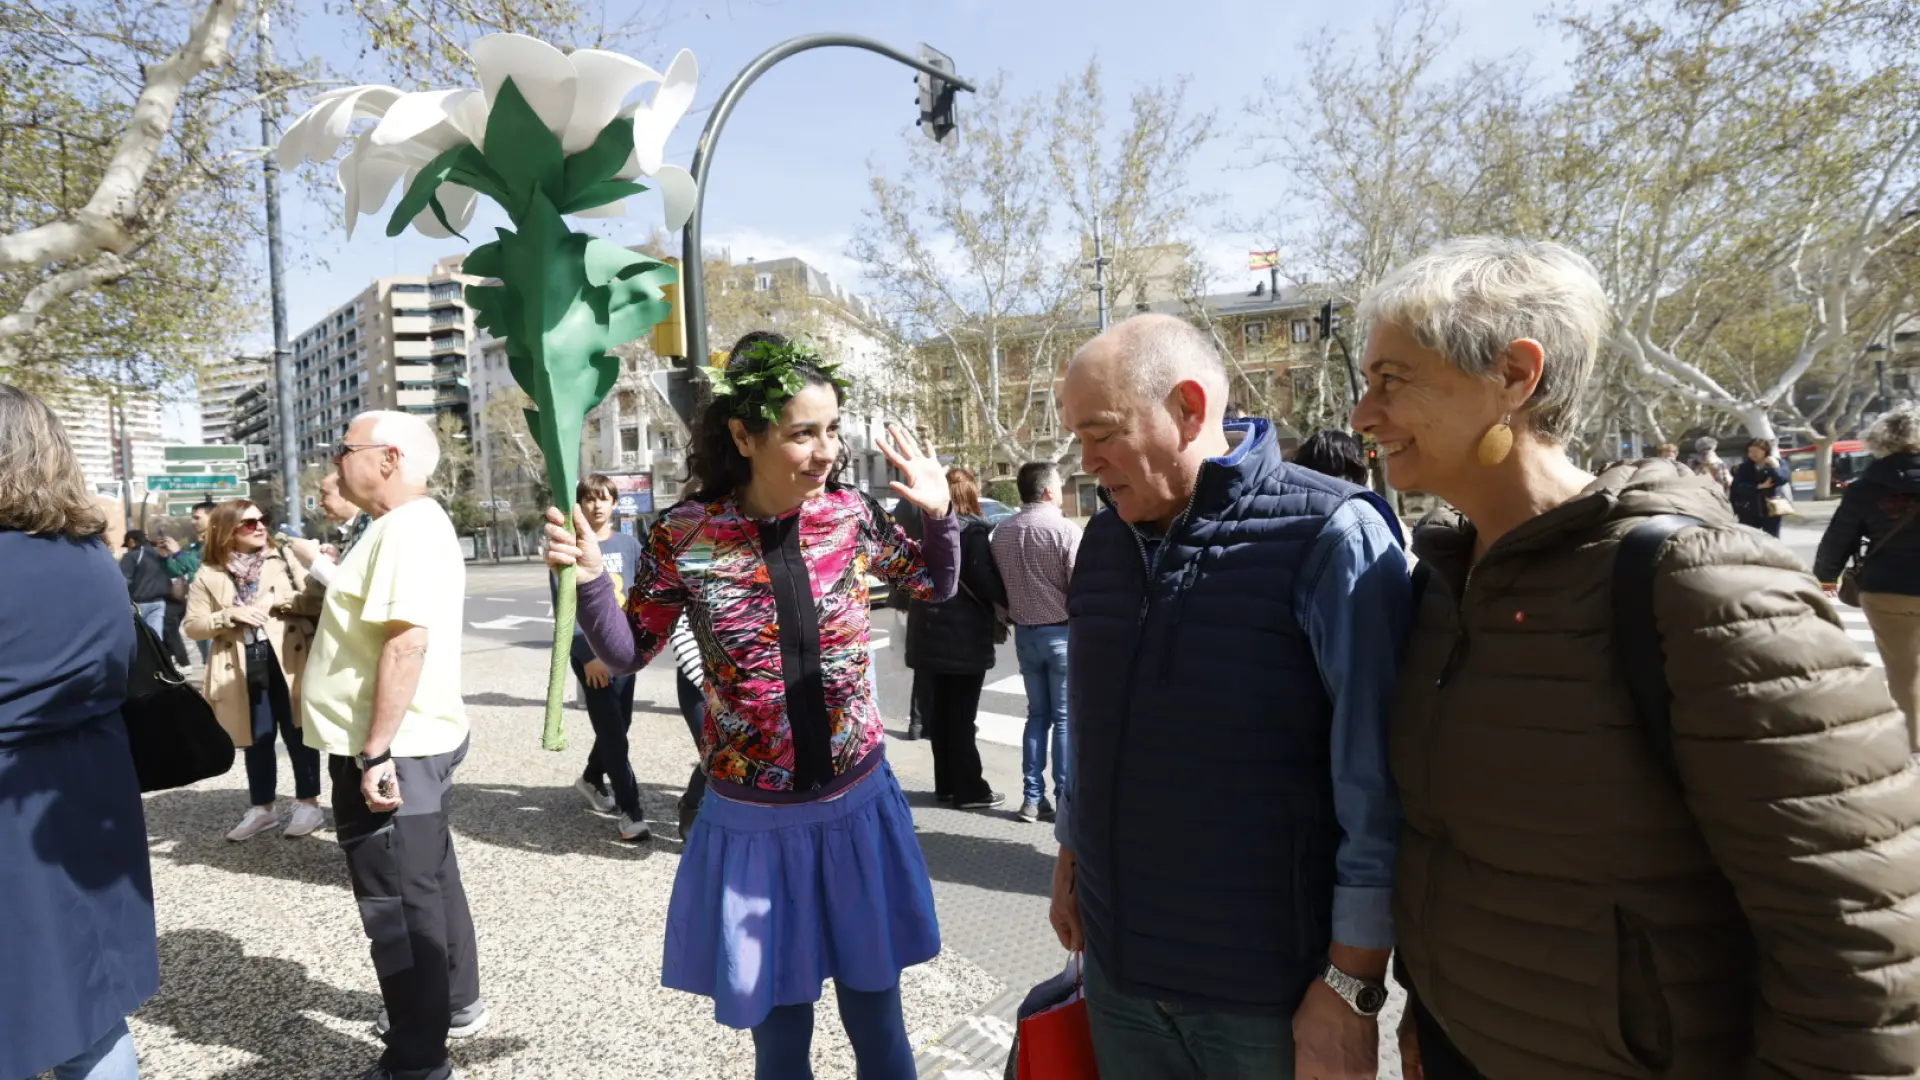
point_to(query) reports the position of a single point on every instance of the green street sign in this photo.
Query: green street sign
(197, 468)
(226, 484)
(204, 453)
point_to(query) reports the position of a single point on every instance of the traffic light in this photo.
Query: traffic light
(1329, 321)
(936, 96)
(670, 333)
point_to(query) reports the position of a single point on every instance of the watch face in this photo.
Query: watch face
(1370, 1000)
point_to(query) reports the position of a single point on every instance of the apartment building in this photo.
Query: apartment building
(220, 384)
(92, 428)
(401, 344)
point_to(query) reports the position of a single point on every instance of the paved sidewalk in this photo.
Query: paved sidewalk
(264, 967)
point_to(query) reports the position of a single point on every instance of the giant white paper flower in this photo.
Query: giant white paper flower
(576, 95)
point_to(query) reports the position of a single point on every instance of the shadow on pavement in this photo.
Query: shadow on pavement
(556, 821)
(1005, 866)
(214, 994)
(196, 822)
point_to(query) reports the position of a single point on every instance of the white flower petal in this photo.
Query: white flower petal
(470, 118)
(458, 201)
(653, 123)
(317, 135)
(678, 192)
(604, 81)
(367, 176)
(423, 117)
(616, 208)
(634, 166)
(542, 73)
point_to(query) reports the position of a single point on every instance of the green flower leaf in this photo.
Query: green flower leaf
(599, 162)
(522, 152)
(600, 195)
(424, 192)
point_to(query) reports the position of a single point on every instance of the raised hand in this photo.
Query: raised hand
(579, 548)
(926, 484)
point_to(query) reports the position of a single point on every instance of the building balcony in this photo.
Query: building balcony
(412, 324)
(412, 350)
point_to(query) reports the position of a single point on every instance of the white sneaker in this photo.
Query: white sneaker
(258, 820)
(306, 818)
(634, 830)
(601, 800)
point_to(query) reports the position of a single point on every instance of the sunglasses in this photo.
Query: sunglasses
(341, 450)
(247, 524)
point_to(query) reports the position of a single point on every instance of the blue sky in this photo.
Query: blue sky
(790, 174)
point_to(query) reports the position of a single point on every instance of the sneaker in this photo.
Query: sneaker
(1046, 809)
(597, 797)
(985, 802)
(306, 818)
(466, 1024)
(381, 1072)
(1029, 812)
(634, 830)
(258, 820)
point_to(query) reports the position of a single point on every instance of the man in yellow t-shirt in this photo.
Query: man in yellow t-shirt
(381, 697)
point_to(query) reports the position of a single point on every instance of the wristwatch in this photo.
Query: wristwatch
(378, 759)
(1366, 998)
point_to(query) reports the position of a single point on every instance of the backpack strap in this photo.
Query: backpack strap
(1636, 636)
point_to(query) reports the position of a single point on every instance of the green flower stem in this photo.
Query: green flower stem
(553, 735)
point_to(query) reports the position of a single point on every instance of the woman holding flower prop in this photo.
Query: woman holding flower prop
(803, 864)
(548, 134)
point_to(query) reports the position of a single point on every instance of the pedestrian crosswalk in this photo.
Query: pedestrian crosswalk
(1856, 623)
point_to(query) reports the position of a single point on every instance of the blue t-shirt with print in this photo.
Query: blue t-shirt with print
(621, 555)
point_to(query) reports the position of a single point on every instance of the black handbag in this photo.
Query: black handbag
(175, 738)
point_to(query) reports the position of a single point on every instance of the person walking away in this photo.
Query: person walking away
(907, 516)
(1574, 898)
(77, 945)
(1228, 837)
(256, 607)
(184, 562)
(1708, 462)
(950, 645)
(1333, 453)
(146, 573)
(1757, 481)
(767, 560)
(382, 701)
(1882, 508)
(1034, 551)
(609, 696)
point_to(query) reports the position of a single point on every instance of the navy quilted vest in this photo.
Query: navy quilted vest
(1202, 790)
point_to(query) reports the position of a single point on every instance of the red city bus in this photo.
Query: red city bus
(1850, 459)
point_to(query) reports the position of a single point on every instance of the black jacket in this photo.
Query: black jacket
(1749, 499)
(146, 572)
(956, 637)
(1869, 511)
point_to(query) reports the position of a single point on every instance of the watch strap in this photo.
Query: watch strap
(1351, 989)
(379, 759)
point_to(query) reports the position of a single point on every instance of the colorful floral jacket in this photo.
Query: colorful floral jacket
(788, 702)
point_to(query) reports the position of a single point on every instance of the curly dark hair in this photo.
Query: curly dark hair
(716, 466)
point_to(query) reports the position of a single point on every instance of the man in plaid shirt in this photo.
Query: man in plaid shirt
(1034, 550)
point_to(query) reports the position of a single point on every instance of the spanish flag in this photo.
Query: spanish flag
(1263, 260)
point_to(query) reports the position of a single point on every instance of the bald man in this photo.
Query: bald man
(1228, 835)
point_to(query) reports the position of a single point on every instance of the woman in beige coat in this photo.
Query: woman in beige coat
(258, 609)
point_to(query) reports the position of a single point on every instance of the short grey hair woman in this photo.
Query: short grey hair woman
(1880, 509)
(1583, 890)
(75, 883)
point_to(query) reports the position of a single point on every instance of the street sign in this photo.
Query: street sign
(204, 453)
(209, 482)
(197, 468)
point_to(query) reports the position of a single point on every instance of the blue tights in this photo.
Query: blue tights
(783, 1042)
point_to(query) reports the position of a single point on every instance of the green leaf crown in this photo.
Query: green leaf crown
(767, 376)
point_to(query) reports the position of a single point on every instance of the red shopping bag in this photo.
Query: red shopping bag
(1054, 1042)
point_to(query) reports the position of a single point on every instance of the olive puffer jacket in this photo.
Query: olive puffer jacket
(1569, 908)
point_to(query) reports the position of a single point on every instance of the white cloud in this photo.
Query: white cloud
(826, 252)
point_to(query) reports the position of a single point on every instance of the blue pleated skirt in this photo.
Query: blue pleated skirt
(773, 900)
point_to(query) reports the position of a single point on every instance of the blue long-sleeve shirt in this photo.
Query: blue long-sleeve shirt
(1355, 603)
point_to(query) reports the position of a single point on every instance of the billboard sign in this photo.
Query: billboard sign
(636, 493)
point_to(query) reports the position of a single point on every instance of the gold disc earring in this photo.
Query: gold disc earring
(1497, 443)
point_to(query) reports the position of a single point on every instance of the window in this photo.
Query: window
(1045, 422)
(1302, 331)
(1253, 333)
(1088, 496)
(630, 440)
(950, 422)
(763, 283)
(947, 372)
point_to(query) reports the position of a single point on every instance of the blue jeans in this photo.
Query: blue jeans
(111, 1058)
(273, 710)
(154, 614)
(1138, 1038)
(783, 1042)
(1042, 652)
(610, 709)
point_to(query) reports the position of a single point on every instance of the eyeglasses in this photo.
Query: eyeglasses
(252, 523)
(341, 450)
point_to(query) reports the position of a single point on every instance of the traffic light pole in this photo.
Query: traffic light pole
(692, 266)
